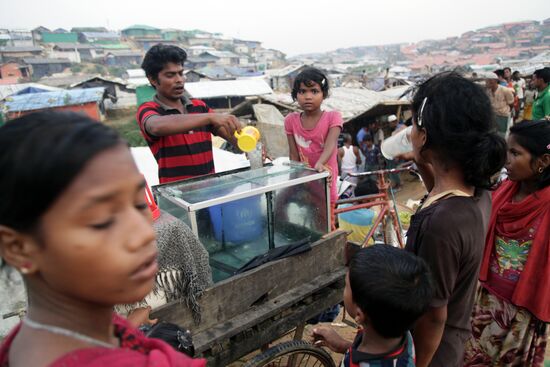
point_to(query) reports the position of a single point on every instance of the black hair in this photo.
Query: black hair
(460, 126)
(534, 136)
(500, 72)
(543, 74)
(308, 76)
(368, 137)
(159, 55)
(392, 286)
(178, 338)
(506, 68)
(516, 72)
(366, 187)
(40, 155)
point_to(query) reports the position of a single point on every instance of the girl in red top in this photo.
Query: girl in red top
(512, 309)
(75, 223)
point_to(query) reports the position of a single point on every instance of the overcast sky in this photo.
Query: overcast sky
(292, 26)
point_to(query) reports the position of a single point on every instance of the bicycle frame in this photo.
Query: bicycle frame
(382, 199)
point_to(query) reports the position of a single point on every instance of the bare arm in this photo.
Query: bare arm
(340, 154)
(182, 123)
(357, 155)
(325, 336)
(330, 145)
(427, 334)
(292, 149)
(510, 98)
(223, 133)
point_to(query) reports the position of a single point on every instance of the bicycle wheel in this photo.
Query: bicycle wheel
(296, 353)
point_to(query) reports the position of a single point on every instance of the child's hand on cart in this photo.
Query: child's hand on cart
(324, 167)
(326, 337)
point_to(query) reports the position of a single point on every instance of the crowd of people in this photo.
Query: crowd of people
(514, 100)
(472, 286)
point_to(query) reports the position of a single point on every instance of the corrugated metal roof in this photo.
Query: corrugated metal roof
(227, 72)
(39, 101)
(221, 54)
(141, 26)
(135, 73)
(104, 35)
(115, 46)
(125, 53)
(99, 77)
(287, 70)
(64, 80)
(43, 60)
(20, 49)
(228, 88)
(9, 89)
(351, 102)
(71, 46)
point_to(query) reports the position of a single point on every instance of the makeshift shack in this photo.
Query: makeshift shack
(117, 95)
(85, 101)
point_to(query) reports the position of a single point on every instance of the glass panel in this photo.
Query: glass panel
(174, 209)
(197, 191)
(239, 230)
(233, 233)
(300, 212)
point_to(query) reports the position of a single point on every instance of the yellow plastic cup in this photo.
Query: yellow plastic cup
(247, 138)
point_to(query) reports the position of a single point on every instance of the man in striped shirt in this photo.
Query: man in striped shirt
(177, 129)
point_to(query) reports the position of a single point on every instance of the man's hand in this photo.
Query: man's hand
(228, 123)
(327, 337)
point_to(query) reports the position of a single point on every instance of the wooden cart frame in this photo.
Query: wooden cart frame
(250, 310)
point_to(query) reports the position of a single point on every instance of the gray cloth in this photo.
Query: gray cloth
(184, 270)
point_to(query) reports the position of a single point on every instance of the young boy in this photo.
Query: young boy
(371, 153)
(387, 290)
(349, 158)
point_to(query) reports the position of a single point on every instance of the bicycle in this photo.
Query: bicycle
(296, 353)
(388, 214)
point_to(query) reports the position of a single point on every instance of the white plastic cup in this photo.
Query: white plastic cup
(397, 144)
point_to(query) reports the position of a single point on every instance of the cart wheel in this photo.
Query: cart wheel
(296, 353)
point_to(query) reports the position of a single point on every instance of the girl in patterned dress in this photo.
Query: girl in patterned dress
(512, 310)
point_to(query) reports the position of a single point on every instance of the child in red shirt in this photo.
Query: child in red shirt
(79, 230)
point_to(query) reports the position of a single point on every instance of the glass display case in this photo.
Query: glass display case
(243, 214)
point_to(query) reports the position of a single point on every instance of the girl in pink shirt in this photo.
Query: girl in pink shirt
(313, 134)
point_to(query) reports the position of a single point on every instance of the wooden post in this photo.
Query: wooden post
(299, 333)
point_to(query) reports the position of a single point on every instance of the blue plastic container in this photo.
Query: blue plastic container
(239, 221)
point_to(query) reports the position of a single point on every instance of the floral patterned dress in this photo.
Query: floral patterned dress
(504, 334)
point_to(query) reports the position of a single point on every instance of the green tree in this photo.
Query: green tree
(99, 69)
(76, 68)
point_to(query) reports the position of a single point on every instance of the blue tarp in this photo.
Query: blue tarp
(39, 101)
(31, 90)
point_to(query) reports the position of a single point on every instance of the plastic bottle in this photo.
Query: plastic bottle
(397, 144)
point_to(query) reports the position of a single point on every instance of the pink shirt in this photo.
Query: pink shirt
(311, 142)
